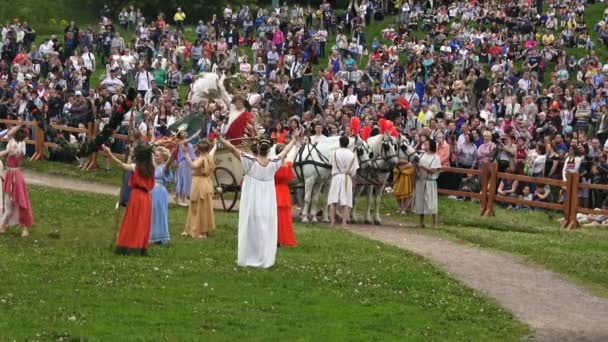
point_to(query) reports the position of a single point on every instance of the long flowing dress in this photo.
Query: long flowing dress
(403, 182)
(134, 236)
(201, 220)
(285, 221)
(425, 196)
(159, 230)
(16, 200)
(183, 177)
(258, 213)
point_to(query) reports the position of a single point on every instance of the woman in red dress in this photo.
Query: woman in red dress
(282, 178)
(134, 235)
(16, 200)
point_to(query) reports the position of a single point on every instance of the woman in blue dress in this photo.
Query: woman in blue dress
(159, 230)
(183, 177)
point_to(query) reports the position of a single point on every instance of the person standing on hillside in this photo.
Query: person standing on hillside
(179, 18)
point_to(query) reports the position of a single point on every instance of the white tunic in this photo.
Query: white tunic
(258, 213)
(425, 196)
(344, 165)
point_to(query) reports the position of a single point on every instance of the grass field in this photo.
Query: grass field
(71, 170)
(580, 254)
(333, 286)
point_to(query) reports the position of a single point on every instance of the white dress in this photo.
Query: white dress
(344, 165)
(425, 196)
(258, 228)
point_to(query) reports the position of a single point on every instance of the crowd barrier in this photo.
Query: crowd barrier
(488, 196)
(488, 173)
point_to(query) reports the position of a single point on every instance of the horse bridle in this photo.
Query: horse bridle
(371, 173)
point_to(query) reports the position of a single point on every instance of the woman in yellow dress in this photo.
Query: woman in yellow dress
(403, 185)
(200, 221)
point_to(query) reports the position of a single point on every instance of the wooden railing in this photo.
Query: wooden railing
(481, 196)
(488, 195)
(41, 144)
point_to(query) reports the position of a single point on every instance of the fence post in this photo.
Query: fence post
(91, 163)
(484, 186)
(567, 200)
(573, 194)
(492, 189)
(38, 143)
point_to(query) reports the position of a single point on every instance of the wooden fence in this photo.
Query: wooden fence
(488, 196)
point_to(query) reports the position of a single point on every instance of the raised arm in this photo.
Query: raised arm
(296, 136)
(212, 152)
(235, 151)
(168, 163)
(193, 136)
(13, 131)
(194, 164)
(124, 166)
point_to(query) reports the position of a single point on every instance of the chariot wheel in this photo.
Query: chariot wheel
(226, 188)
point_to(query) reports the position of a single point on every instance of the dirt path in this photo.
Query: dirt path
(52, 181)
(556, 309)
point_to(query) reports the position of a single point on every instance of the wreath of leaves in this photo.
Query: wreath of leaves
(91, 146)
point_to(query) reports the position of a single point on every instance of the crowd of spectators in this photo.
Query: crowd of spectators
(522, 83)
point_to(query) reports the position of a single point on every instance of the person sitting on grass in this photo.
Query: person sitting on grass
(525, 195)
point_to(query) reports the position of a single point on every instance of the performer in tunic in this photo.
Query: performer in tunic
(159, 231)
(403, 185)
(201, 221)
(344, 166)
(285, 219)
(425, 196)
(134, 235)
(257, 237)
(16, 200)
(183, 181)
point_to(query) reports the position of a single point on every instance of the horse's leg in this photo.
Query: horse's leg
(377, 219)
(316, 189)
(326, 210)
(308, 189)
(354, 218)
(368, 214)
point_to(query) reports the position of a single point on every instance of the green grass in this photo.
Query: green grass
(333, 286)
(48, 17)
(580, 254)
(71, 170)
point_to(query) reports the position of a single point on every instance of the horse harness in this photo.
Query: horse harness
(301, 160)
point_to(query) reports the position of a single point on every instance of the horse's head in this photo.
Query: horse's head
(406, 151)
(361, 149)
(388, 153)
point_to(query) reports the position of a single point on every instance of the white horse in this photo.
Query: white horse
(373, 174)
(313, 168)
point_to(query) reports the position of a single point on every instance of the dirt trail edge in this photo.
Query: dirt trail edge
(555, 309)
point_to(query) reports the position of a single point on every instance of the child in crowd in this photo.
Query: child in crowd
(525, 195)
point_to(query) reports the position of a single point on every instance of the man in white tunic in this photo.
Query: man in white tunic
(425, 196)
(344, 166)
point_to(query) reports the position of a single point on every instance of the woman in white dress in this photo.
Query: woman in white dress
(425, 196)
(258, 230)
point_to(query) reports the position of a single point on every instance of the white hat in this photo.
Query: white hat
(78, 93)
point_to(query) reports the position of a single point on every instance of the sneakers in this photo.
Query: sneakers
(452, 197)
